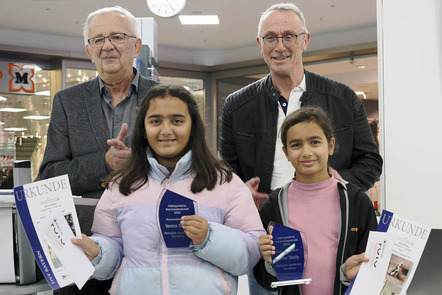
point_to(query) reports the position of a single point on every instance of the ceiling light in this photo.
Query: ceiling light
(2, 98)
(15, 129)
(361, 67)
(361, 93)
(35, 117)
(12, 110)
(199, 19)
(2, 123)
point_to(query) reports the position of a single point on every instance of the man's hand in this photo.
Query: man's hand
(195, 227)
(118, 153)
(352, 265)
(258, 197)
(89, 247)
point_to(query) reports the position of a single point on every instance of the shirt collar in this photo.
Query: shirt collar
(302, 86)
(276, 94)
(133, 87)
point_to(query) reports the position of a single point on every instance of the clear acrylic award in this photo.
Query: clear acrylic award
(290, 256)
(171, 208)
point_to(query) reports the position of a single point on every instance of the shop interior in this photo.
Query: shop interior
(351, 40)
(212, 63)
(24, 118)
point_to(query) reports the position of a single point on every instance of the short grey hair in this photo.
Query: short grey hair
(284, 7)
(115, 9)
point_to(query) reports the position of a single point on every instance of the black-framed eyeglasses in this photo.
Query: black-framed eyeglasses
(288, 40)
(115, 39)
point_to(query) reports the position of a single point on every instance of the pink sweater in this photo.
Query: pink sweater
(314, 209)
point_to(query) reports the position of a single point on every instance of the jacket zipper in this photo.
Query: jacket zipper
(346, 230)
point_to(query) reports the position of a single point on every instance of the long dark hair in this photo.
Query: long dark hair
(208, 169)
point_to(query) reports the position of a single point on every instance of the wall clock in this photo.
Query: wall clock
(166, 8)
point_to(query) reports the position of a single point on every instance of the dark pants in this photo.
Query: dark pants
(92, 287)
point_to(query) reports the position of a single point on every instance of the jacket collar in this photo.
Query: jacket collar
(133, 87)
(271, 91)
(92, 102)
(183, 168)
(342, 182)
(274, 94)
(309, 85)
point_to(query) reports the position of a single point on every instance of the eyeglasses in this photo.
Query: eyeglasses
(115, 39)
(288, 40)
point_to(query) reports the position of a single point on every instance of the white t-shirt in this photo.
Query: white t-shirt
(283, 171)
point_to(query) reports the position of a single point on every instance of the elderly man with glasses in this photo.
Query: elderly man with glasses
(89, 134)
(251, 117)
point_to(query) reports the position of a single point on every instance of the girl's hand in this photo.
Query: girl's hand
(89, 247)
(195, 227)
(266, 247)
(352, 265)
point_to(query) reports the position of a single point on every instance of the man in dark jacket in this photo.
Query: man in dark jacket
(252, 115)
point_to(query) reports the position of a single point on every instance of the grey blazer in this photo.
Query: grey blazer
(76, 141)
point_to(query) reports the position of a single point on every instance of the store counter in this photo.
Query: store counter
(13, 289)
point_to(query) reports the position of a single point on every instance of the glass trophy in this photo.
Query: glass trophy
(290, 256)
(171, 208)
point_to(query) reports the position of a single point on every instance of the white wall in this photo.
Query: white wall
(410, 86)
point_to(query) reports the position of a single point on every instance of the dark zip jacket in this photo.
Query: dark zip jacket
(249, 128)
(357, 212)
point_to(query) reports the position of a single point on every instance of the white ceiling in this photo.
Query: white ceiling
(58, 24)
(237, 28)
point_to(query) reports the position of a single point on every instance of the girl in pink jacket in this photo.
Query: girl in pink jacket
(169, 151)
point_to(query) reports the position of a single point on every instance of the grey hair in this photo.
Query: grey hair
(284, 7)
(116, 9)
